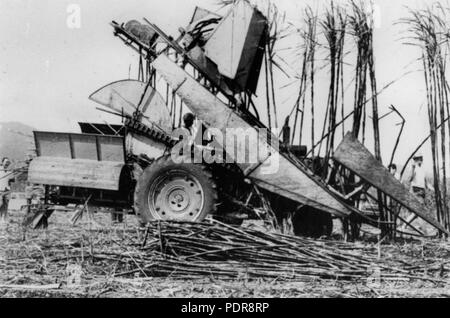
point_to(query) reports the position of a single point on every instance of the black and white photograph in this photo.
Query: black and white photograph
(224, 154)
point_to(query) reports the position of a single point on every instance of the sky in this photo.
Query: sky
(48, 70)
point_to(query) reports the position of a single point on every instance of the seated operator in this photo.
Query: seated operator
(195, 130)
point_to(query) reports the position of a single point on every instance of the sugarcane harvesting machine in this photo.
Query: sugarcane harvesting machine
(146, 165)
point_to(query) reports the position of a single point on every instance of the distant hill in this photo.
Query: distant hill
(16, 140)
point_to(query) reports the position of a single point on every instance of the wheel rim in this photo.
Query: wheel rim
(176, 195)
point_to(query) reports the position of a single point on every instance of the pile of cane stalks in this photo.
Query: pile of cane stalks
(212, 250)
(187, 250)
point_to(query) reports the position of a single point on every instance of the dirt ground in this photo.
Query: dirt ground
(39, 263)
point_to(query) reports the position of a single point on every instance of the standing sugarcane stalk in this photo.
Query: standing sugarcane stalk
(445, 113)
(430, 33)
(362, 33)
(334, 28)
(376, 131)
(431, 86)
(301, 99)
(312, 51)
(266, 71)
(307, 78)
(362, 28)
(443, 105)
(274, 32)
(311, 42)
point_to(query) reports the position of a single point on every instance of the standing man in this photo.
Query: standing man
(419, 184)
(418, 179)
(4, 187)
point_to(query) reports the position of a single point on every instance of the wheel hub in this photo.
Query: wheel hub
(176, 196)
(178, 199)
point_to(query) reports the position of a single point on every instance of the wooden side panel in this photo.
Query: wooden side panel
(53, 144)
(288, 180)
(75, 173)
(111, 148)
(84, 147)
(80, 146)
(355, 157)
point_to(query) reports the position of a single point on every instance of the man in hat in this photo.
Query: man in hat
(419, 184)
(418, 179)
(5, 177)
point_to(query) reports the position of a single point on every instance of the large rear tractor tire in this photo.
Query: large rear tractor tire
(176, 192)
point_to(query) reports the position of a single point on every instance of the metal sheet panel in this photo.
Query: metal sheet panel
(138, 145)
(197, 55)
(236, 45)
(295, 183)
(125, 96)
(75, 173)
(355, 157)
(203, 14)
